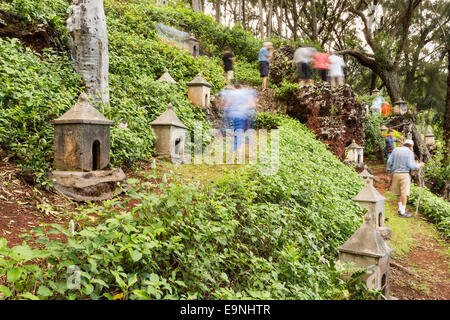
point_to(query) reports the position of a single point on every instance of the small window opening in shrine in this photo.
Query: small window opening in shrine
(96, 155)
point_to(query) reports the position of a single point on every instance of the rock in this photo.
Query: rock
(281, 65)
(88, 186)
(386, 233)
(333, 114)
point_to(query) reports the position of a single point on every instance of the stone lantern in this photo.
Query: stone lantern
(400, 107)
(170, 136)
(375, 92)
(429, 137)
(199, 91)
(366, 249)
(166, 77)
(82, 147)
(355, 154)
(366, 175)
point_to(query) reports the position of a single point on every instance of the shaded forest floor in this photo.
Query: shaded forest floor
(422, 255)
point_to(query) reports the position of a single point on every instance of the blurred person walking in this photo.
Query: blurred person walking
(336, 70)
(302, 59)
(321, 64)
(228, 60)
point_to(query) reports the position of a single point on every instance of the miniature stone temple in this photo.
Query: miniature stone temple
(355, 154)
(166, 77)
(366, 249)
(170, 136)
(429, 137)
(400, 107)
(192, 44)
(370, 199)
(82, 147)
(199, 91)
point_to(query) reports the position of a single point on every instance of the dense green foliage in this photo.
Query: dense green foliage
(436, 174)
(434, 207)
(250, 235)
(374, 142)
(35, 90)
(267, 120)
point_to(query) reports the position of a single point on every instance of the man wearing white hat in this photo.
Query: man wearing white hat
(264, 57)
(400, 163)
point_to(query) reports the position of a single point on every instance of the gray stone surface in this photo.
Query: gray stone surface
(89, 186)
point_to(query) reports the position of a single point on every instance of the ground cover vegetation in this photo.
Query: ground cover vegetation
(230, 239)
(137, 59)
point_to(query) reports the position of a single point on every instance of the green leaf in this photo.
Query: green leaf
(6, 292)
(44, 291)
(14, 274)
(136, 256)
(29, 295)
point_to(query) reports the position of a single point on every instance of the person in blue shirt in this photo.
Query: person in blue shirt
(390, 143)
(400, 163)
(264, 57)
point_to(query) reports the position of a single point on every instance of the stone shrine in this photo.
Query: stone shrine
(82, 147)
(199, 91)
(367, 249)
(170, 136)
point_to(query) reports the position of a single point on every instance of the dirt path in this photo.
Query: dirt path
(421, 256)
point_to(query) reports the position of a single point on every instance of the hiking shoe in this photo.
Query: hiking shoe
(404, 215)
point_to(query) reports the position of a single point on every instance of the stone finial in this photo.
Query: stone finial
(369, 194)
(170, 106)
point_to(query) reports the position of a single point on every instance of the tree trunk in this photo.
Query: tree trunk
(87, 25)
(269, 19)
(261, 19)
(390, 79)
(373, 82)
(217, 4)
(446, 125)
(197, 5)
(315, 37)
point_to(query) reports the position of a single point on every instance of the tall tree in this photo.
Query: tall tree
(387, 45)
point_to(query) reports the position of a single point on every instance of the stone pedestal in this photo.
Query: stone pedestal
(88, 186)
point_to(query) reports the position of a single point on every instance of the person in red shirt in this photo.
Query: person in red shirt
(321, 64)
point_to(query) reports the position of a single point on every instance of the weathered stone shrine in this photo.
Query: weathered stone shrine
(82, 147)
(367, 249)
(199, 91)
(370, 199)
(355, 154)
(170, 136)
(166, 77)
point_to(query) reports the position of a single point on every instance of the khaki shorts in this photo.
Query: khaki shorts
(401, 184)
(229, 74)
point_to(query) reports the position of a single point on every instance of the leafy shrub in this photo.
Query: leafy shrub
(250, 235)
(434, 207)
(35, 90)
(267, 120)
(436, 174)
(247, 73)
(374, 142)
(286, 89)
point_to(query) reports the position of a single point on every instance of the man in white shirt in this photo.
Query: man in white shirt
(336, 72)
